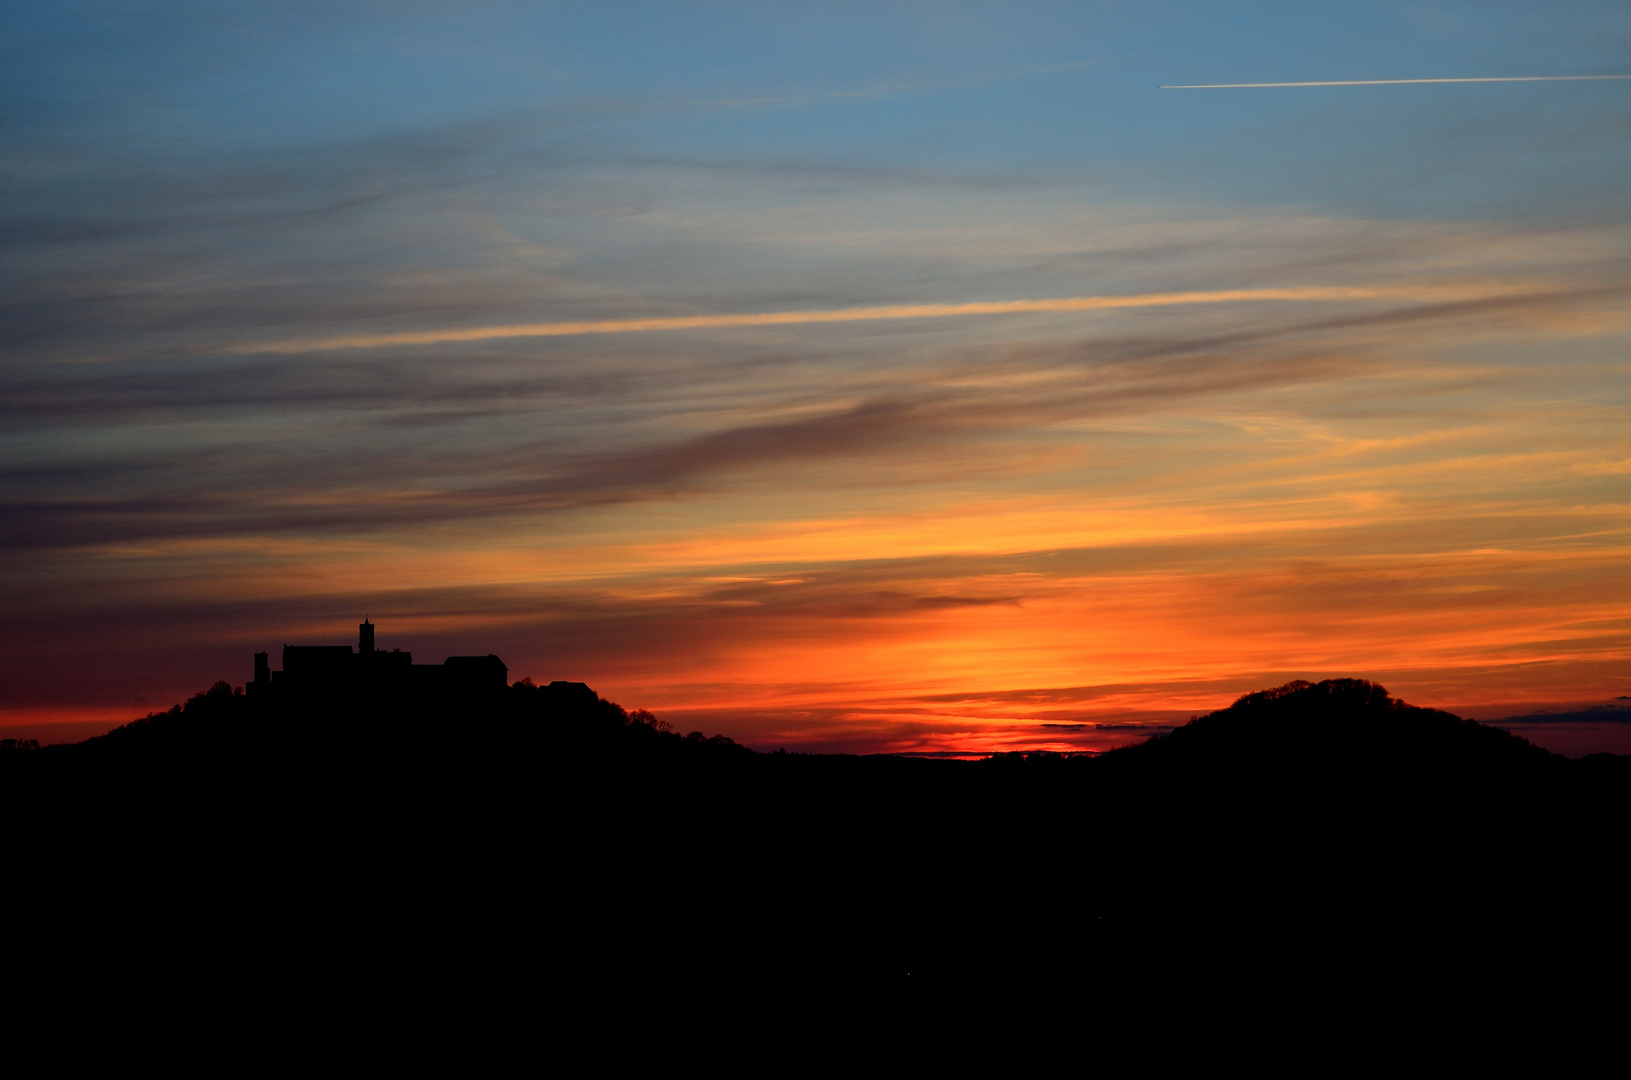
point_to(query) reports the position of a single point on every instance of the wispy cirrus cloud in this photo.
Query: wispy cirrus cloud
(1056, 304)
(969, 412)
(1400, 82)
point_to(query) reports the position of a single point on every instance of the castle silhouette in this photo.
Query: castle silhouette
(331, 669)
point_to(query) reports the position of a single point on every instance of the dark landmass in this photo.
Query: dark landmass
(1325, 825)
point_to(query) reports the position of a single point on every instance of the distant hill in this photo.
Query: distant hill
(1350, 724)
(1341, 741)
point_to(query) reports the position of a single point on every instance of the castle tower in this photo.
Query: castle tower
(365, 636)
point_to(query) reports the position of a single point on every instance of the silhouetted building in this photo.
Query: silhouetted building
(331, 669)
(317, 663)
(476, 673)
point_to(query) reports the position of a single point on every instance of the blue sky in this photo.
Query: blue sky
(1054, 92)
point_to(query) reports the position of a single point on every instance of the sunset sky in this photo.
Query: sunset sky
(871, 377)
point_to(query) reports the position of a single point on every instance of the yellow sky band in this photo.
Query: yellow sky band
(794, 318)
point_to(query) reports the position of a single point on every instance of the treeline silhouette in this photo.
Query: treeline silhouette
(1320, 824)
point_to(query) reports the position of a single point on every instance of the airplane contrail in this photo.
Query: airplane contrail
(794, 318)
(1398, 82)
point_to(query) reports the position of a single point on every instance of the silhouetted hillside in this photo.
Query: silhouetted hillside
(1325, 813)
(1340, 748)
(1341, 724)
(223, 726)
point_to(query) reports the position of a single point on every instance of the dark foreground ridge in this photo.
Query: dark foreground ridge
(1325, 821)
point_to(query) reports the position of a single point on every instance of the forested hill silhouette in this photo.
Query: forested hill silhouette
(1327, 813)
(1343, 753)
(224, 726)
(342, 702)
(1347, 727)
